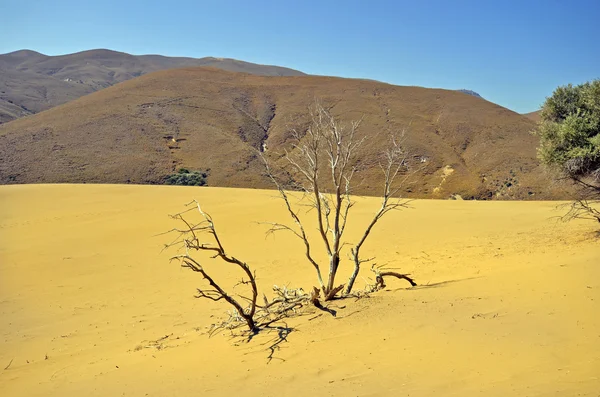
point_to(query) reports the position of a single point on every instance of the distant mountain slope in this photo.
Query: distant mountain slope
(31, 82)
(141, 130)
(470, 92)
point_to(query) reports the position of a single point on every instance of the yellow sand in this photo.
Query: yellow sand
(512, 306)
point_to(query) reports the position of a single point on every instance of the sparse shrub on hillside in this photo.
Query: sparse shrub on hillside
(569, 133)
(184, 177)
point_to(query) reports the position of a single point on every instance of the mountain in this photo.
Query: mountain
(144, 129)
(469, 92)
(31, 82)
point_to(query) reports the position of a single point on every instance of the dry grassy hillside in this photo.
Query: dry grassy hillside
(534, 116)
(199, 118)
(89, 305)
(31, 82)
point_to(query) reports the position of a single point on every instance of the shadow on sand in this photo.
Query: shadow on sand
(440, 283)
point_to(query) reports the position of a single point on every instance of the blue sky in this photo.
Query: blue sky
(513, 53)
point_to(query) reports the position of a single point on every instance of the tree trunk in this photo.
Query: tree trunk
(334, 262)
(251, 324)
(352, 279)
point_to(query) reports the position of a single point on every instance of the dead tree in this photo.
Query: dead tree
(189, 238)
(269, 314)
(325, 158)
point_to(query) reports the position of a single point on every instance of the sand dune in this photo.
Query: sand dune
(508, 304)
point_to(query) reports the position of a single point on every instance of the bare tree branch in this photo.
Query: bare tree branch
(582, 209)
(328, 145)
(396, 159)
(301, 233)
(381, 284)
(190, 241)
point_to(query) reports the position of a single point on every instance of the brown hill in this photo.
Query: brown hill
(534, 116)
(31, 82)
(141, 130)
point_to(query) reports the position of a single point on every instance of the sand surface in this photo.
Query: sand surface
(509, 302)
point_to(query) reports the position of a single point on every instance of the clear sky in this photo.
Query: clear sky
(513, 53)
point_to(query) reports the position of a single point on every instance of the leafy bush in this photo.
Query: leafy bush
(570, 131)
(185, 177)
(570, 142)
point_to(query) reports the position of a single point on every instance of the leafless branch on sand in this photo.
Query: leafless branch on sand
(581, 209)
(247, 311)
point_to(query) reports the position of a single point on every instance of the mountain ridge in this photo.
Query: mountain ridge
(31, 82)
(470, 92)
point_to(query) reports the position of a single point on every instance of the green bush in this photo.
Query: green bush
(185, 177)
(570, 142)
(570, 131)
